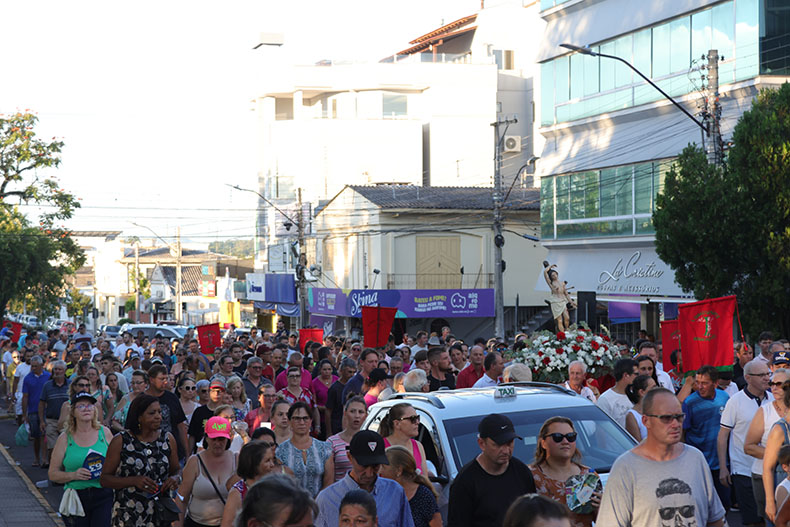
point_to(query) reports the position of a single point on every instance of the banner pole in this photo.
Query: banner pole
(738, 316)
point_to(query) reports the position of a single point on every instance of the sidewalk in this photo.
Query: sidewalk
(20, 502)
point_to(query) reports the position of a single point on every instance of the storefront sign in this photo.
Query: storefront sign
(606, 270)
(411, 303)
(256, 286)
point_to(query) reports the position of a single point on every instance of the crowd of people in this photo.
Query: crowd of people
(268, 431)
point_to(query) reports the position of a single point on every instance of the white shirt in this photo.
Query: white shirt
(416, 348)
(586, 392)
(21, 372)
(665, 380)
(120, 350)
(615, 405)
(737, 416)
(485, 382)
(8, 358)
(122, 384)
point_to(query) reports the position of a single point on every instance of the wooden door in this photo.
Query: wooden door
(438, 262)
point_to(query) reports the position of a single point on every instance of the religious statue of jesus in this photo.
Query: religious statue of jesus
(559, 299)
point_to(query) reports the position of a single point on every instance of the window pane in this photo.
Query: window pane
(623, 189)
(591, 85)
(775, 38)
(608, 192)
(746, 39)
(563, 187)
(643, 189)
(680, 47)
(547, 93)
(642, 51)
(623, 48)
(394, 105)
(577, 196)
(577, 75)
(723, 29)
(607, 67)
(591, 200)
(561, 91)
(661, 50)
(700, 35)
(547, 207)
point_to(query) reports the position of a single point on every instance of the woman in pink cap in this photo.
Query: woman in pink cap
(203, 492)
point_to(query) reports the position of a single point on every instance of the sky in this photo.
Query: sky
(153, 99)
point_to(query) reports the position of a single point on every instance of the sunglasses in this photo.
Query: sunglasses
(775, 383)
(558, 437)
(413, 418)
(667, 418)
(189, 388)
(667, 513)
(300, 418)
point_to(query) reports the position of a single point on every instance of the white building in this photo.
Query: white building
(611, 137)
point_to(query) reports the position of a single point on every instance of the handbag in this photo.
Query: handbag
(208, 474)
(70, 504)
(165, 510)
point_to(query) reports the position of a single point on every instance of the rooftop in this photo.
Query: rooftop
(450, 198)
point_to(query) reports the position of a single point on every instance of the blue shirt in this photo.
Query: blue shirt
(702, 424)
(32, 386)
(354, 385)
(391, 503)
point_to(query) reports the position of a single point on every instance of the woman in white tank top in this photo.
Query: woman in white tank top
(636, 392)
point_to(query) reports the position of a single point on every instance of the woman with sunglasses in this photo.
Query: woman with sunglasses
(79, 384)
(83, 435)
(778, 436)
(138, 385)
(760, 427)
(187, 395)
(256, 460)
(310, 459)
(556, 460)
(400, 427)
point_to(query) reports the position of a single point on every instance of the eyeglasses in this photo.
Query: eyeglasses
(84, 385)
(667, 513)
(83, 406)
(190, 388)
(268, 395)
(256, 367)
(300, 418)
(558, 437)
(667, 418)
(413, 418)
(295, 376)
(766, 374)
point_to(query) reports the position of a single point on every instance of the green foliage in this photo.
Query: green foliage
(130, 305)
(35, 261)
(122, 321)
(727, 231)
(237, 248)
(76, 303)
(23, 157)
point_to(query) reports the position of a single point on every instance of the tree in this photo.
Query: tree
(76, 303)
(237, 248)
(727, 230)
(34, 260)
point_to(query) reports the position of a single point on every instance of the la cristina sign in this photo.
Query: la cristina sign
(619, 278)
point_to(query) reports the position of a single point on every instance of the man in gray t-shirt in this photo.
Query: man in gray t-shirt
(662, 481)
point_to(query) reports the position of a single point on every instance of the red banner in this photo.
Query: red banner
(209, 337)
(377, 324)
(706, 333)
(16, 331)
(305, 335)
(670, 341)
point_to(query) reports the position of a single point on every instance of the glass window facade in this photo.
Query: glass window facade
(548, 4)
(587, 86)
(617, 201)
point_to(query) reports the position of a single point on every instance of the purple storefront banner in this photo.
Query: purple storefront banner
(411, 303)
(323, 322)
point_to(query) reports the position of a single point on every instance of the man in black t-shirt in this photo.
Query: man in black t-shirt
(205, 412)
(486, 486)
(334, 397)
(173, 418)
(441, 374)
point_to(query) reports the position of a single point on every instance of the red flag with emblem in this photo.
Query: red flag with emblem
(306, 335)
(706, 333)
(670, 341)
(377, 324)
(209, 337)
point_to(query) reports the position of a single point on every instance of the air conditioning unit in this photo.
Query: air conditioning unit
(512, 143)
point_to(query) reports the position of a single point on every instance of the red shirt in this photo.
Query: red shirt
(254, 418)
(291, 398)
(468, 377)
(268, 372)
(306, 382)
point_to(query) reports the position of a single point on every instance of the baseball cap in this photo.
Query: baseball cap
(367, 448)
(498, 428)
(83, 395)
(293, 334)
(378, 375)
(134, 355)
(217, 383)
(218, 427)
(781, 357)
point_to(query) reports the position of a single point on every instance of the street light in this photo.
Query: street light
(588, 51)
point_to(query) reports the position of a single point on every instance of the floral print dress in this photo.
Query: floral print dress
(555, 489)
(133, 508)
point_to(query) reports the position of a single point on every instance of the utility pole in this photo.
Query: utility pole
(714, 145)
(178, 310)
(301, 266)
(499, 240)
(137, 304)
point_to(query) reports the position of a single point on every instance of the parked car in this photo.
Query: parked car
(109, 332)
(449, 419)
(150, 330)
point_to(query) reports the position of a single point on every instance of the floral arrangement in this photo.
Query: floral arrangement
(549, 354)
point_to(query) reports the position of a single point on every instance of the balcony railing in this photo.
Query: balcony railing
(440, 281)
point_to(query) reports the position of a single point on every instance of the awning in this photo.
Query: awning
(284, 310)
(624, 312)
